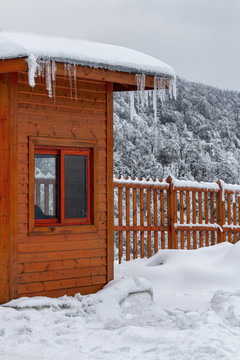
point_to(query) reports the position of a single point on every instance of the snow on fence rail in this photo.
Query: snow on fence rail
(152, 215)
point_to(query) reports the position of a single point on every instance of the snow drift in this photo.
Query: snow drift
(194, 314)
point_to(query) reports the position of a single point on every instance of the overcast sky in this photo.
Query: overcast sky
(198, 38)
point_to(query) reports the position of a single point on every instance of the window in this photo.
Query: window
(62, 185)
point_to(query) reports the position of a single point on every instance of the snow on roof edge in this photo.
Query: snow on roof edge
(81, 52)
(103, 66)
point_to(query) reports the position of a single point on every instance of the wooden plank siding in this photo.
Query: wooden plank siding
(4, 189)
(8, 187)
(55, 265)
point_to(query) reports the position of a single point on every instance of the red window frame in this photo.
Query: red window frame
(61, 152)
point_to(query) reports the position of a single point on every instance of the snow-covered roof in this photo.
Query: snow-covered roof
(81, 52)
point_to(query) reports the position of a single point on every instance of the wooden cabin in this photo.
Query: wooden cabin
(56, 160)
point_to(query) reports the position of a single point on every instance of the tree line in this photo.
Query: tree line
(195, 137)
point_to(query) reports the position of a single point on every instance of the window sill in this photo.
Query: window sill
(62, 229)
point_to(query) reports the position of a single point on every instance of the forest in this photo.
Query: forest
(194, 137)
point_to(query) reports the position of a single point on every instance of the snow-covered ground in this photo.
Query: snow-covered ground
(176, 305)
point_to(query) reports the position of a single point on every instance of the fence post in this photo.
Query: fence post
(127, 204)
(120, 234)
(171, 209)
(220, 212)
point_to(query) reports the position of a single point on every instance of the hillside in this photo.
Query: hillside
(196, 136)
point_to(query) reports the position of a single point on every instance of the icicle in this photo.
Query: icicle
(140, 78)
(65, 71)
(155, 113)
(173, 88)
(40, 68)
(142, 88)
(132, 108)
(32, 69)
(54, 68)
(75, 80)
(155, 99)
(147, 100)
(69, 68)
(145, 97)
(48, 78)
(138, 100)
(160, 87)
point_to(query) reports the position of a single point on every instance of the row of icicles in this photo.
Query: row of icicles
(159, 91)
(160, 87)
(47, 69)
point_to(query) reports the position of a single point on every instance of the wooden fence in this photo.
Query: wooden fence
(45, 194)
(174, 214)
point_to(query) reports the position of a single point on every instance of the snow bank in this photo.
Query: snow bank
(39, 302)
(111, 296)
(195, 313)
(118, 290)
(105, 302)
(227, 305)
(189, 271)
(80, 305)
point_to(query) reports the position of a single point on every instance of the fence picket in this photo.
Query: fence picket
(175, 219)
(149, 239)
(127, 223)
(206, 217)
(238, 197)
(120, 234)
(162, 218)
(212, 217)
(200, 218)
(142, 251)
(155, 214)
(229, 216)
(234, 219)
(181, 217)
(170, 214)
(135, 223)
(188, 218)
(194, 218)
(46, 199)
(222, 198)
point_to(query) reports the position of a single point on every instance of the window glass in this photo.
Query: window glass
(62, 186)
(75, 172)
(46, 186)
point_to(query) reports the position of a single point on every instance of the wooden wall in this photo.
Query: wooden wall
(8, 186)
(54, 265)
